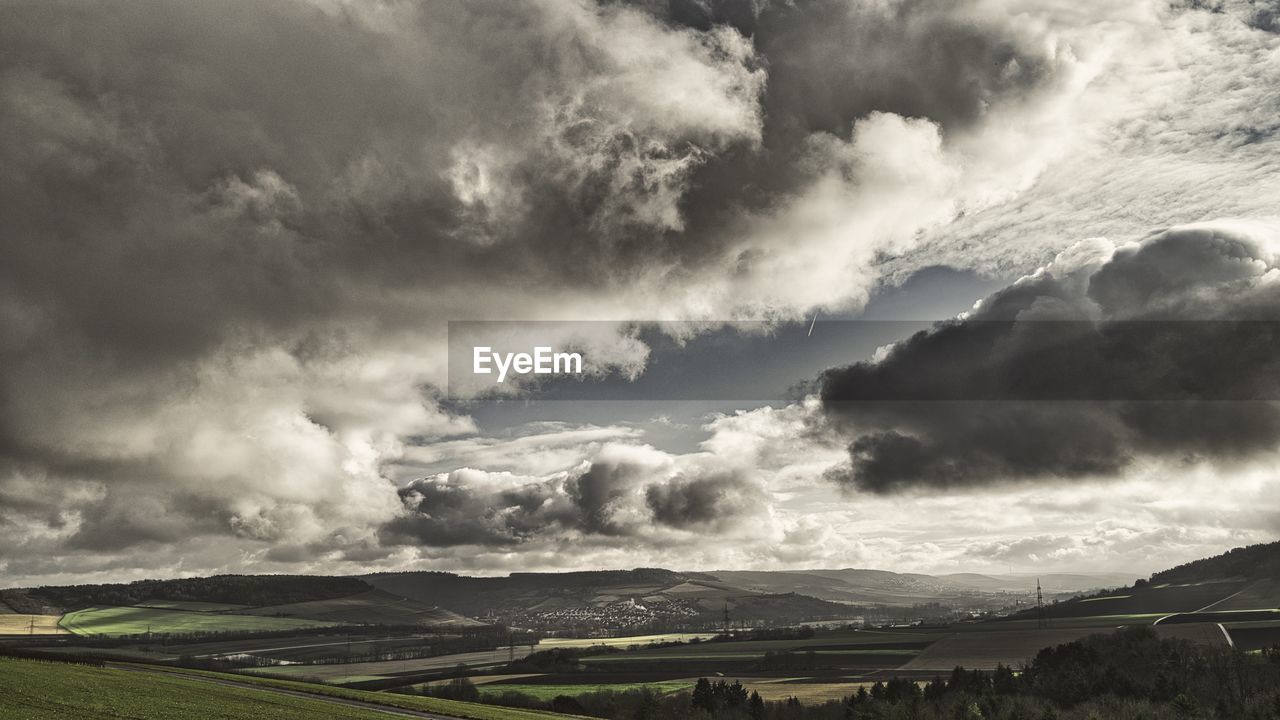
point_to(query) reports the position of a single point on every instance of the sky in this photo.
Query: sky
(1040, 239)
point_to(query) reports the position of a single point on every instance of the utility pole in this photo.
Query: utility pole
(1041, 621)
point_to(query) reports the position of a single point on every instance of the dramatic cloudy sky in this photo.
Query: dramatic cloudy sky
(235, 234)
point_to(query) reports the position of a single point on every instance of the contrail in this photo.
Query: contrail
(815, 322)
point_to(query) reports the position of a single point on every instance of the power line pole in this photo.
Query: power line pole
(1041, 621)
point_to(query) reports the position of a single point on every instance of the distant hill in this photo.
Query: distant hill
(1026, 582)
(666, 593)
(881, 587)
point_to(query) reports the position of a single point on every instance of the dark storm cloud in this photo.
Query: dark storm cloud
(690, 502)
(459, 510)
(831, 62)
(1078, 369)
(621, 494)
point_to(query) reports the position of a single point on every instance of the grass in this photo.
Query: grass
(139, 621)
(56, 691)
(455, 708)
(548, 692)
(18, 624)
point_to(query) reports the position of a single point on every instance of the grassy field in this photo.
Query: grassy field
(373, 607)
(55, 691)
(18, 624)
(138, 621)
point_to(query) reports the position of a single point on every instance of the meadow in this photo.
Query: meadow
(116, 621)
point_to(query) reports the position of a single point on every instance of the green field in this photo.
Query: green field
(139, 621)
(56, 691)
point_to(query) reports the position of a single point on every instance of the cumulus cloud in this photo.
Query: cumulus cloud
(624, 491)
(1164, 347)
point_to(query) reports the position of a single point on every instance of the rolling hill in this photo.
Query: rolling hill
(662, 592)
(373, 607)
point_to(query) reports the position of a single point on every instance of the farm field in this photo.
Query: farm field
(373, 607)
(139, 621)
(1082, 621)
(355, 672)
(12, 623)
(852, 648)
(1255, 635)
(56, 691)
(1259, 595)
(805, 691)
(1157, 599)
(548, 692)
(983, 651)
(627, 641)
(1205, 633)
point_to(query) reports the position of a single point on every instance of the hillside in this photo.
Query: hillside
(1253, 562)
(373, 607)
(222, 589)
(881, 587)
(1241, 584)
